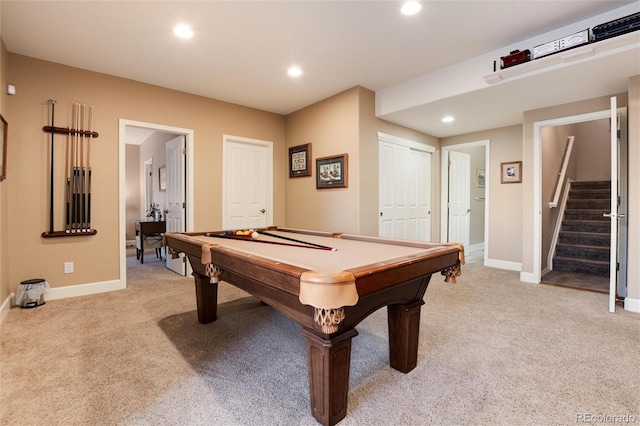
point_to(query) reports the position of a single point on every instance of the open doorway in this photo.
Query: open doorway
(601, 164)
(465, 198)
(137, 195)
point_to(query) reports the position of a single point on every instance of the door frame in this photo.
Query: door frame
(536, 275)
(444, 190)
(122, 128)
(226, 139)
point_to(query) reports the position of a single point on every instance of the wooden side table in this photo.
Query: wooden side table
(144, 230)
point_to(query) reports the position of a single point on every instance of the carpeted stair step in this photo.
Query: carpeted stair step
(587, 252)
(592, 267)
(598, 184)
(584, 241)
(585, 214)
(584, 238)
(596, 194)
(593, 226)
(589, 204)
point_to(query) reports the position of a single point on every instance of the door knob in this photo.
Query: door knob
(263, 211)
(614, 215)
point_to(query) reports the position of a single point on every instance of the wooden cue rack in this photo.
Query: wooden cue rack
(78, 174)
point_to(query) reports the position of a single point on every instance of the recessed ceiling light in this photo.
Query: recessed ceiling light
(410, 8)
(294, 72)
(183, 31)
(447, 119)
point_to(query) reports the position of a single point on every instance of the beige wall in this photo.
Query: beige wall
(505, 211)
(331, 127)
(344, 123)
(96, 257)
(593, 150)
(369, 128)
(5, 289)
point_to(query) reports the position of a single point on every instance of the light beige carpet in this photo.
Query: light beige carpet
(493, 351)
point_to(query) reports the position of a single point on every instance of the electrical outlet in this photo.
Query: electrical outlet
(68, 267)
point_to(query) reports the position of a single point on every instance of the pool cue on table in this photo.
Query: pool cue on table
(241, 238)
(296, 241)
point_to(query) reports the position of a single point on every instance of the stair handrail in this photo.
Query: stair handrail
(556, 231)
(563, 172)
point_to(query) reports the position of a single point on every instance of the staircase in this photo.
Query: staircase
(585, 236)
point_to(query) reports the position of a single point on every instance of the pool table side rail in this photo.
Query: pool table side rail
(226, 257)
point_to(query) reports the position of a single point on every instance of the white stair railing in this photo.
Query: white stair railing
(563, 173)
(556, 231)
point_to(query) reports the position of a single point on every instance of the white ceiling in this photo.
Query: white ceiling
(242, 49)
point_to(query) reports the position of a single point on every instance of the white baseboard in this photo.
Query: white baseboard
(632, 305)
(529, 277)
(503, 264)
(67, 292)
(476, 247)
(6, 305)
(84, 289)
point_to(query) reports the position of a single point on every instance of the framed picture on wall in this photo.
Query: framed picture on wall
(162, 178)
(511, 172)
(300, 161)
(332, 172)
(480, 177)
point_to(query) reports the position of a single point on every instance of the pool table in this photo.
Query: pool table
(328, 283)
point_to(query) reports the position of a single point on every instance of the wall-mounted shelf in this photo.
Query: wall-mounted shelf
(565, 58)
(56, 234)
(69, 131)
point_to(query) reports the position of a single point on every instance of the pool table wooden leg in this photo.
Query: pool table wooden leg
(206, 298)
(404, 330)
(329, 362)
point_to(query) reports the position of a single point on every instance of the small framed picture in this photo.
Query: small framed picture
(511, 172)
(480, 177)
(300, 161)
(332, 172)
(162, 178)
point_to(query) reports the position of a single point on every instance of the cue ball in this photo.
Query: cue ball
(255, 235)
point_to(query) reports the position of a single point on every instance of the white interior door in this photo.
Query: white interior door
(615, 215)
(459, 198)
(175, 197)
(247, 188)
(393, 191)
(419, 195)
(404, 192)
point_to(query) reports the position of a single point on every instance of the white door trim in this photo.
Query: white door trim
(444, 190)
(226, 139)
(189, 135)
(383, 137)
(535, 276)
